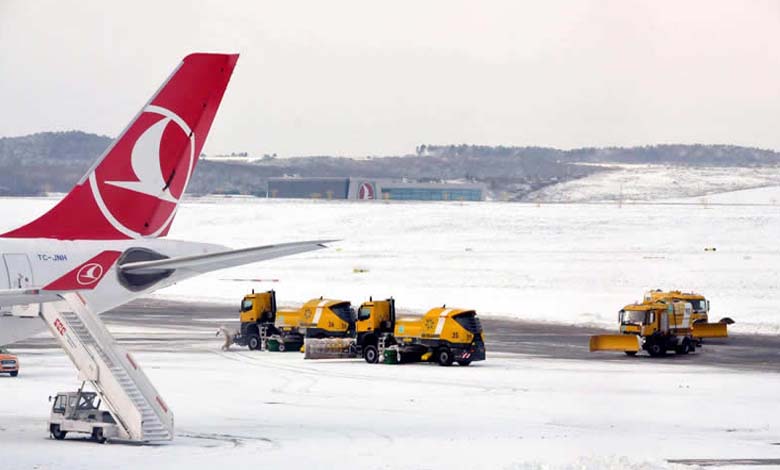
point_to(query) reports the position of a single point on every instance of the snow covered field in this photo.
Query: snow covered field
(569, 263)
(246, 409)
(634, 182)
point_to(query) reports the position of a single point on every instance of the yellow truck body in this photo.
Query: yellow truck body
(261, 321)
(653, 326)
(700, 306)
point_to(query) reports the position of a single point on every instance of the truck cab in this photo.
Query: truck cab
(374, 319)
(80, 412)
(257, 315)
(661, 326)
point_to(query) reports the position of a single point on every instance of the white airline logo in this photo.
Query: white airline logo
(145, 161)
(89, 274)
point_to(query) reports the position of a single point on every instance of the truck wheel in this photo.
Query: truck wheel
(370, 354)
(683, 348)
(97, 435)
(14, 373)
(254, 343)
(56, 433)
(656, 350)
(444, 357)
(282, 347)
(630, 353)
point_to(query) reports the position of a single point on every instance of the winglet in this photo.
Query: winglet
(87, 275)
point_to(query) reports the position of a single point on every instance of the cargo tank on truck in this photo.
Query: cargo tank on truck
(263, 326)
(656, 327)
(444, 335)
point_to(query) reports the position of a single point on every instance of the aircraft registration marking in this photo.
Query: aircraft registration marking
(52, 257)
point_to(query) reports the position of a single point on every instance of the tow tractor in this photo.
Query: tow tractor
(80, 412)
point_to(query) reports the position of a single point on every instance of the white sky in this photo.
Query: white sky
(365, 77)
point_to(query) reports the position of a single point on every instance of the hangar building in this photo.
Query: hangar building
(372, 188)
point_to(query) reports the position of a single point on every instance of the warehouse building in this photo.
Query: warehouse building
(372, 189)
(385, 189)
(308, 188)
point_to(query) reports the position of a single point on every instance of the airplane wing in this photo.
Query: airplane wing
(12, 297)
(222, 259)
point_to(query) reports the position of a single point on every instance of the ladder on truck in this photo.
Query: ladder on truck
(135, 404)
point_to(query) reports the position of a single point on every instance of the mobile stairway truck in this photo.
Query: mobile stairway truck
(656, 327)
(443, 335)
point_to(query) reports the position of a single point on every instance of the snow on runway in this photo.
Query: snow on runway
(566, 263)
(260, 409)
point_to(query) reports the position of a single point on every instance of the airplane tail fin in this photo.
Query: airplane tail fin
(133, 189)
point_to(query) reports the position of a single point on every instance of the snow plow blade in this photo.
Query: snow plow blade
(710, 330)
(615, 343)
(329, 348)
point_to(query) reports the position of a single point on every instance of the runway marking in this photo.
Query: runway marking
(725, 462)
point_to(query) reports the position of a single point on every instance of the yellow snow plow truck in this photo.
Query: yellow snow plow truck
(656, 327)
(443, 335)
(700, 306)
(265, 327)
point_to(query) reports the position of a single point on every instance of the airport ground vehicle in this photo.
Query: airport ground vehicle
(9, 364)
(265, 327)
(700, 307)
(80, 412)
(656, 327)
(444, 335)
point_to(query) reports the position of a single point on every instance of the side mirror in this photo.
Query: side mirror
(49, 398)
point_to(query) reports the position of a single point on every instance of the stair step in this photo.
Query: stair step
(136, 391)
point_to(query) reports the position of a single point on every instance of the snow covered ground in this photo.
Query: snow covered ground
(630, 182)
(570, 263)
(244, 409)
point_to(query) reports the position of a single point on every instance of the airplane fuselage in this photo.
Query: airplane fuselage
(36, 263)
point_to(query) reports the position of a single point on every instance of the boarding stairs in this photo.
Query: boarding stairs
(135, 404)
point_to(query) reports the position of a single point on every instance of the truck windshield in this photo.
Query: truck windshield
(344, 312)
(364, 313)
(632, 316)
(469, 322)
(59, 404)
(246, 305)
(698, 305)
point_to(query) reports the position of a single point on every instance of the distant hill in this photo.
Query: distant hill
(55, 161)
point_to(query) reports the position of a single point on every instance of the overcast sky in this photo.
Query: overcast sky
(373, 78)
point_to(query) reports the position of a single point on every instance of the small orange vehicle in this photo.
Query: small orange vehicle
(9, 364)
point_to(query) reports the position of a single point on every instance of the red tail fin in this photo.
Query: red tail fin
(133, 190)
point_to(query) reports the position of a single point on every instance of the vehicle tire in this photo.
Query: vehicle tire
(444, 357)
(464, 363)
(656, 350)
(282, 347)
(370, 354)
(253, 343)
(97, 435)
(56, 433)
(630, 353)
(14, 373)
